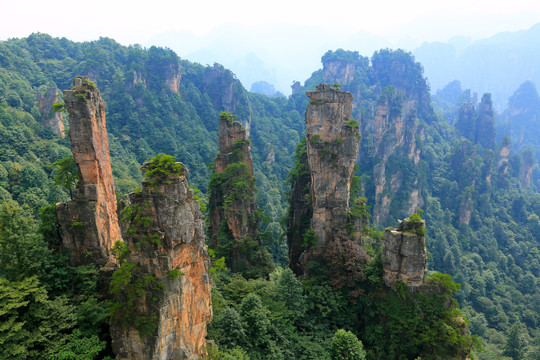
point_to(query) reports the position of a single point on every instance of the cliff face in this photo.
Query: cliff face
(161, 288)
(173, 75)
(341, 72)
(227, 94)
(170, 240)
(485, 124)
(476, 122)
(332, 147)
(300, 210)
(395, 133)
(49, 118)
(89, 225)
(232, 203)
(404, 255)
(388, 116)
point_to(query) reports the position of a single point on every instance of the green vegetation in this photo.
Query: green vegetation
(53, 310)
(59, 107)
(161, 167)
(345, 345)
(48, 308)
(67, 174)
(129, 287)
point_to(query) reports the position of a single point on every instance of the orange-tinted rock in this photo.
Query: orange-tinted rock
(49, 118)
(183, 308)
(173, 76)
(89, 225)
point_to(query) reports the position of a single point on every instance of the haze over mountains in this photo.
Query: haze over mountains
(496, 64)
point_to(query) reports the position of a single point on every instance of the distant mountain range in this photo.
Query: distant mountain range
(498, 64)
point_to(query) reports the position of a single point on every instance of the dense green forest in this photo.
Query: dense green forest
(51, 310)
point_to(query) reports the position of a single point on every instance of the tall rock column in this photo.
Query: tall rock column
(404, 255)
(332, 141)
(163, 227)
(232, 202)
(89, 224)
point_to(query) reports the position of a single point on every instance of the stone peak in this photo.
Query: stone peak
(325, 93)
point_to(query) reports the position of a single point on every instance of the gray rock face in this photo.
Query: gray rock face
(183, 307)
(332, 147)
(49, 118)
(404, 255)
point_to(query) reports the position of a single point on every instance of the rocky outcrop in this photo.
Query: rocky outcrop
(466, 207)
(395, 133)
(527, 167)
(503, 157)
(339, 71)
(160, 289)
(227, 94)
(404, 255)
(164, 228)
(49, 118)
(332, 141)
(232, 202)
(295, 87)
(89, 224)
(300, 210)
(485, 123)
(173, 75)
(476, 122)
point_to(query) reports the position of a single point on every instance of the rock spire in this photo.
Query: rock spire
(89, 225)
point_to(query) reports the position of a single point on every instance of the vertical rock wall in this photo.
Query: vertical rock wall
(89, 224)
(227, 93)
(182, 309)
(395, 134)
(166, 239)
(49, 118)
(404, 255)
(332, 147)
(232, 203)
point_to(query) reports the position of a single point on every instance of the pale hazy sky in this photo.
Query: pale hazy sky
(137, 21)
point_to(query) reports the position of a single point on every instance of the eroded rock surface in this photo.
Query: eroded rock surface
(227, 93)
(49, 118)
(172, 240)
(404, 255)
(89, 224)
(332, 141)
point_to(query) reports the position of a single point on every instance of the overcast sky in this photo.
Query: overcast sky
(137, 21)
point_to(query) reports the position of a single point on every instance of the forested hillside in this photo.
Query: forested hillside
(479, 202)
(477, 190)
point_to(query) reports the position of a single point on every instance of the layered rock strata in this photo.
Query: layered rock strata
(332, 142)
(169, 246)
(232, 203)
(49, 118)
(404, 255)
(89, 224)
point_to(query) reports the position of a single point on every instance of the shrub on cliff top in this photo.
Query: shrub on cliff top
(162, 166)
